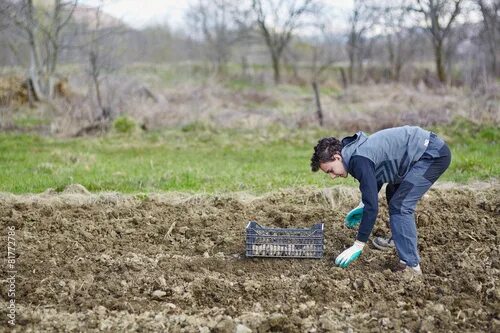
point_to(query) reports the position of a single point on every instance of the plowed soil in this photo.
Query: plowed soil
(176, 263)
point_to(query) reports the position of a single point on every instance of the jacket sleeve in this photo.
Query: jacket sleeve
(363, 170)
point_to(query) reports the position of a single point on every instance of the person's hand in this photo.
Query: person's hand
(353, 218)
(349, 255)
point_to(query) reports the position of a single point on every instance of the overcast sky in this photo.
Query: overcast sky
(140, 13)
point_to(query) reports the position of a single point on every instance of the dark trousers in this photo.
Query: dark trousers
(403, 198)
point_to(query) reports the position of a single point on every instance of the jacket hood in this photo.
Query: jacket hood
(350, 144)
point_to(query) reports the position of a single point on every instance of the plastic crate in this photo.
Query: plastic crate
(284, 243)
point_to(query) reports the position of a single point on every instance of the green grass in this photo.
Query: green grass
(240, 84)
(201, 159)
(474, 151)
(168, 75)
(30, 121)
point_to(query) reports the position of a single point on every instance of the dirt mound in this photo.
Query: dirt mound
(75, 189)
(176, 263)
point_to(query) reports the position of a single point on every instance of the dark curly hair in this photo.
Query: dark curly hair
(324, 151)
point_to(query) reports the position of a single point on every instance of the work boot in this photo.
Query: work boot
(401, 266)
(384, 244)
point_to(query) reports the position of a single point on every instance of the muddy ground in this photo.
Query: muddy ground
(107, 262)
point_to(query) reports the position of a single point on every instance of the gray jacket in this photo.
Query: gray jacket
(393, 151)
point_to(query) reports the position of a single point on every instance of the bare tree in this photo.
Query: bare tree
(42, 27)
(398, 34)
(4, 8)
(361, 19)
(324, 55)
(277, 20)
(324, 48)
(102, 59)
(215, 20)
(490, 11)
(9, 54)
(95, 62)
(439, 16)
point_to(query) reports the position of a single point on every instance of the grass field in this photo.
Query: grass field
(197, 159)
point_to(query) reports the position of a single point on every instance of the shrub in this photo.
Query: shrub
(124, 125)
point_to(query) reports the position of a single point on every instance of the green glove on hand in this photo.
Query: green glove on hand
(353, 218)
(349, 255)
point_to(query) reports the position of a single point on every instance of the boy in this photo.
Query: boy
(409, 159)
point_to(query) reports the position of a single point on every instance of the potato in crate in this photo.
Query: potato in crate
(284, 243)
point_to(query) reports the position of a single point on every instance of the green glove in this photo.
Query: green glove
(353, 218)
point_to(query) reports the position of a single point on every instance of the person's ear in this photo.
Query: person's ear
(337, 157)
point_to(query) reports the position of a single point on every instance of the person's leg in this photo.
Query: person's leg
(390, 189)
(386, 243)
(404, 201)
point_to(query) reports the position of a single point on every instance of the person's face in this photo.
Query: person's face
(334, 168)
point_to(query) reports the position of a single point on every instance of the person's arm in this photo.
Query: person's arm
(355, 215)
(363, 170)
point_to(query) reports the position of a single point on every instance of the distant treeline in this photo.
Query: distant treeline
(439, 41)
